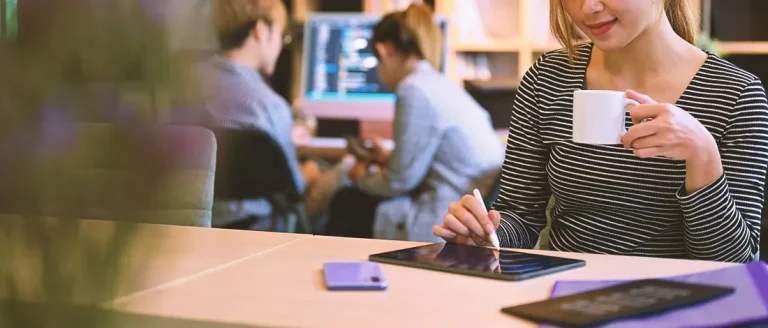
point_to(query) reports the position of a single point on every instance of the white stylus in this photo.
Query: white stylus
(494, 238)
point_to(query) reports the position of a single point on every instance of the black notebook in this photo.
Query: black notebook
(629, 300)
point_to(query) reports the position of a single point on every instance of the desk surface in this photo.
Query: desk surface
(155, 256)
(284, 287)
(336, 148)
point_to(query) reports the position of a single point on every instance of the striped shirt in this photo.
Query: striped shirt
(609, 201)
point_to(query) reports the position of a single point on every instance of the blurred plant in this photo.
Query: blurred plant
(706, 42)
(71, 62)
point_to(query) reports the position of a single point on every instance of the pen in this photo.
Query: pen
(494, 238)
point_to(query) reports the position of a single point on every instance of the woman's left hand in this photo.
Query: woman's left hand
(668, 131)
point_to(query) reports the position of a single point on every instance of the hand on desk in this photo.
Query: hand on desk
(363, 168)
(380, 152)
(311, 172)
(467, 223)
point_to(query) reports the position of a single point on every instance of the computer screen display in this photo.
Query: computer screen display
(340, 70)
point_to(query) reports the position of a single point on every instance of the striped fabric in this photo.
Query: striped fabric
(609, 201)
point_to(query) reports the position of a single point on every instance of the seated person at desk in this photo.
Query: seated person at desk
(236, 96)
(445, 144)
(687, 180)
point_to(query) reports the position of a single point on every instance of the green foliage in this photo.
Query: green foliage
(11, 18)
(73, 63)
(705, 42)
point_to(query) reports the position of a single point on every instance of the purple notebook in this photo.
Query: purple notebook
(747, 304)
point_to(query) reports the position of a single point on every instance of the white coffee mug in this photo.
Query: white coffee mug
(598, 116)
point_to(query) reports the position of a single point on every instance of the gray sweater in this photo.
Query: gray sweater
(445, 146)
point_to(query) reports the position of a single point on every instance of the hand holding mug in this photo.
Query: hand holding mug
(467, 223)
(666, 130)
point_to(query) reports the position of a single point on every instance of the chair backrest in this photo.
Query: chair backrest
(251, 165)
(102, 171)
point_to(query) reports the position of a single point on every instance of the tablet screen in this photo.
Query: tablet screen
(472, 260)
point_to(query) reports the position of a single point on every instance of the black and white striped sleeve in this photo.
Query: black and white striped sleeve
(722, 220)
(525, 191)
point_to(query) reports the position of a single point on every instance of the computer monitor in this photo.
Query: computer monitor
(340, 78)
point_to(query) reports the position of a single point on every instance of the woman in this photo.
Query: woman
(445, 143)
(687, 181)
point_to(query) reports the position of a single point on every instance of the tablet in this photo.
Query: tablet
(478, 261)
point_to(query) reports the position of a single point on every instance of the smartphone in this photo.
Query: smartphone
(354, 276)
(362, 149)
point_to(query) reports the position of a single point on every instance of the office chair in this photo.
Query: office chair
(104, 171)
(251, 165)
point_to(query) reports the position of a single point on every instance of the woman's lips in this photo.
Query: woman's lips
(601, 28)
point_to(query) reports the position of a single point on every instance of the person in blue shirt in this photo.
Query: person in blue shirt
(237, 96)
(445, 145)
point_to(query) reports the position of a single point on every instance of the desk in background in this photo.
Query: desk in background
(334, 149)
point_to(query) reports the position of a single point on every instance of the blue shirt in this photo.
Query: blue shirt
(445, 146)
(237, 97)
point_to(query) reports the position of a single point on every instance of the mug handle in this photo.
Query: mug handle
(627, 103)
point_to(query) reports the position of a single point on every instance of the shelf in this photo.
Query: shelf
(744, 47)
(488, 46)
(503, 46)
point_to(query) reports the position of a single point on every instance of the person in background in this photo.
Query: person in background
(445, 145)
(688, 180)
(237, 96)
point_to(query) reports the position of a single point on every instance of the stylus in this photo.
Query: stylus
(494, 237)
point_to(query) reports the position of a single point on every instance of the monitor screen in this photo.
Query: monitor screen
(340, 77)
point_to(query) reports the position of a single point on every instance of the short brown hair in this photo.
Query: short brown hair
(679, 13)
(412, 32)
(233, 20)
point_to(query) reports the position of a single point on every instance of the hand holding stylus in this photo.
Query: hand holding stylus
(492, 236)
(468, 223)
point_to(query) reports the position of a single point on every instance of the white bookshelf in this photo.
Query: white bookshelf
(731, 47)
(507, 34)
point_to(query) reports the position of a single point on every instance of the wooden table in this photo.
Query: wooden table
(284, 287)
(334, 149)
(157, 256)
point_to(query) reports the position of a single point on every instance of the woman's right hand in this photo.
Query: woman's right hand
(467, 223)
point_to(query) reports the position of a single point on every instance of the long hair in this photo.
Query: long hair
(679, 13)
(412, 32)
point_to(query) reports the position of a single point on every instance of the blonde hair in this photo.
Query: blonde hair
(679, 13)
(233, 20)
(412, 32)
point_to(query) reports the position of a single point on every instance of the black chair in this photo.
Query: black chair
(251, 165)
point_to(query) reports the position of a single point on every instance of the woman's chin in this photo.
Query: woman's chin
(609, 45)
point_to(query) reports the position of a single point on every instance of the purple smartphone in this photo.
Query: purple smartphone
(354, 276)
